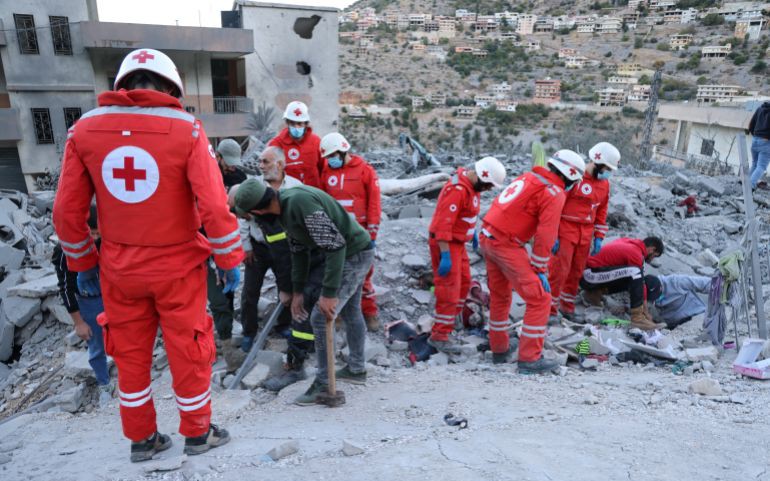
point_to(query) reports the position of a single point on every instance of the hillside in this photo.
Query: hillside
(380, 74)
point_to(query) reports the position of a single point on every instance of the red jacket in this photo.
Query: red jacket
(587, 204)
(620, 252)
(356, 187)
(457, 210)
(529, 206)
(155, 177)
(303, 156)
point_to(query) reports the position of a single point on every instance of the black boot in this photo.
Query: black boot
(214, 438)
(144, 450)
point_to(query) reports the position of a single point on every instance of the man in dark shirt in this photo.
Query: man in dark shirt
(759, 128)
(83, 310)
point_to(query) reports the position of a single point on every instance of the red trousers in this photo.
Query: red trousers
(450, 290)
(508, 268)
(566, 267)
(368, 297)
(133, 309)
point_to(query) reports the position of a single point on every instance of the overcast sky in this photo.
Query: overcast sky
(185, 12)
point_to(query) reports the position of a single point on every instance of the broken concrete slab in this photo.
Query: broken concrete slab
(706, 387)
(162, 465)
(709, 353)
(38, 289)
(423, 297)
(256, 376)
(710, 185)
(19, 310)
(76, 364)
(5, 371)
(71, 399)
(6, 338)
(409, 212)
(10, 257)
(351, 449)
(283, 450)
(414, 261)
(54, 306)
(708, 258)
(231, 401)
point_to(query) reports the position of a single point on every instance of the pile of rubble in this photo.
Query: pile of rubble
(46, 365)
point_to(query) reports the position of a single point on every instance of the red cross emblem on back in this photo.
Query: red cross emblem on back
(142, 56)
(297, 112)
(598, 156)
(128, 174)
(510, 190)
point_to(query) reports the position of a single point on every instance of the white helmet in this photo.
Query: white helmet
(296, 112)
(491, 171)
(569, 163)
(604, 153)
(153, 61)
(332, 143)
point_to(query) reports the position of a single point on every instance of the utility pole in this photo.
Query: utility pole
(649, 119)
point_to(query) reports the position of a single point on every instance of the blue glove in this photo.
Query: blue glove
(88, 282)
(475, 241)
(544, 281)
(597, 246)
(555, 248)
(231, 279)
(445, 265)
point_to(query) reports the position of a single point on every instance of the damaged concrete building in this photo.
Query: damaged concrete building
(224, 75)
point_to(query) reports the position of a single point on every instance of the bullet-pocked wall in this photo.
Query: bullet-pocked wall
(296, 58)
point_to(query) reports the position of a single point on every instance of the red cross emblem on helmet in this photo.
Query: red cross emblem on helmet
(345, 145)
(598, 156)
(142, 56)
(572, 171)
(485, 174)
(297, 111)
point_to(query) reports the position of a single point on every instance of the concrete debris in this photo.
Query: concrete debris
(71, 399)
(5, 459)
(38, 288)
(283, 450)
(20, 310)
(10, 257)
(351, 449)
(161, 465)
(53, 305)
(256, 376)
(6, 338)
(413, 261)
(706, 387)
(708, 258)
(423, 297)
(709, 353)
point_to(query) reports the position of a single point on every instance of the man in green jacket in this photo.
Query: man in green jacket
(313, 220)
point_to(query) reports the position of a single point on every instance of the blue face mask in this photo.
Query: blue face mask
(659, 300)
(604, 175)
(297, 132)
(569, 187)
(335, 162)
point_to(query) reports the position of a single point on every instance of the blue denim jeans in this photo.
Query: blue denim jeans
(349, 309)
(760, 154)
(90, 307)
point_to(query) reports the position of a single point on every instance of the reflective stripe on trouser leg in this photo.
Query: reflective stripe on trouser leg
(500, 291)
(368, 296)
(572, 278)
(447, 289)
(512, 263)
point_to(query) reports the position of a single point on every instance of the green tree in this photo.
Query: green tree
(713, 19)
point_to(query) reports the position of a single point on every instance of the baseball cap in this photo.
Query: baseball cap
(230, 152)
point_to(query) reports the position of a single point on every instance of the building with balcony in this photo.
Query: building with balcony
(547, 91)
(629, 69)
(610, 97)
(483, 100)
(80, 57)
(467, 111)
(634, 5)
(586, 26)
(609, 25)
(680, 42)
(565, 52)
(437, 99)
(662, 4)
(718, 93)
(639, 93)
(617, 79)
(543, 25)
(750, 28)
(505, 105)
(576, 61)
(501, 90)
(717, 52)
(526, 24)
(417, 101)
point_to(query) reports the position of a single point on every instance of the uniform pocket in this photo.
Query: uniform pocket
(202, 348)
(109, 343)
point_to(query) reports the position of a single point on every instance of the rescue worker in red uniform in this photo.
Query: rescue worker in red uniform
(454, 224)
(529, 207)
(354, 184)
(619, 267)
(155, 177)
(300, 145)
(582, 228)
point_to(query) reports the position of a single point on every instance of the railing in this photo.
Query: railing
(699, 163)
(232, 105)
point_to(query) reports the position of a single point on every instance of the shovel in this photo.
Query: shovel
(332, 397)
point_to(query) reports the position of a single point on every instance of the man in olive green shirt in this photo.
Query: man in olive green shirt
(313, 220)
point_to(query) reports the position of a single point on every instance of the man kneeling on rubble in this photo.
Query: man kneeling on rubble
(313, 220)
(619, 267)
(679, 298)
